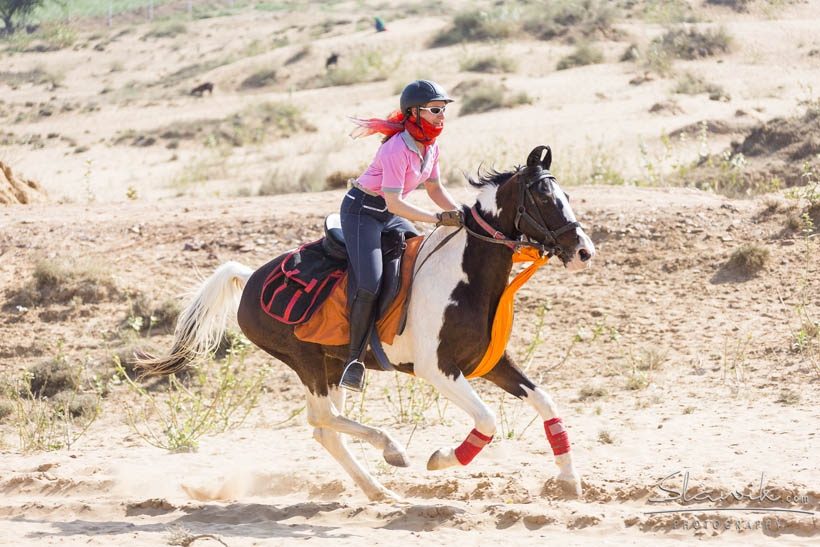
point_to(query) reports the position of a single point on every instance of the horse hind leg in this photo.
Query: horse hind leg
(318, 410)
(392, 452)
(511, 379)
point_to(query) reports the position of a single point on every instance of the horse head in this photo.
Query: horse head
(532, 206)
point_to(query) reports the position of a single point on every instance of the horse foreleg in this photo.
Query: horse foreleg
(511, 379)
(460, 392)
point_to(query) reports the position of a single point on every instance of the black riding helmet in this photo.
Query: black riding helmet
(421, 92)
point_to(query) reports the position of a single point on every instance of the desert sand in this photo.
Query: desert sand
(662, 358)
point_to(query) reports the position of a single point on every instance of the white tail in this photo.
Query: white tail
(203, 322)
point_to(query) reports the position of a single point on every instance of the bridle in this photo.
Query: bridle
(546, 240)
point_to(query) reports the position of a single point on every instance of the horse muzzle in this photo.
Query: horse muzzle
(581, 256)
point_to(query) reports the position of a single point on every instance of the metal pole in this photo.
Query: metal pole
(110, 14)
(150, 10)
(190, 8)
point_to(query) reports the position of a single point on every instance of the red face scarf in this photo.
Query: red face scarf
(426, 134)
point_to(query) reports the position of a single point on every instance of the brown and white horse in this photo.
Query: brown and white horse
(455, 295)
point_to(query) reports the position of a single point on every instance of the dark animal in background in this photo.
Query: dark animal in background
(202, 88)
(332, 60)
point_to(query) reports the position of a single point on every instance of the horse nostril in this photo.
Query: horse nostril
(584, 254)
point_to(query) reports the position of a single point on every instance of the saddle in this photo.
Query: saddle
(308, 286)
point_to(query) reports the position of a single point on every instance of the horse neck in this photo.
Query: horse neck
(486, 264)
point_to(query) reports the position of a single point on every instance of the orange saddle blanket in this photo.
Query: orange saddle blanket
(330, 324)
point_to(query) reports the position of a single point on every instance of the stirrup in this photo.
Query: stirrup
(353, 376)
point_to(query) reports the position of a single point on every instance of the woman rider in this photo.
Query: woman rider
(407, 157)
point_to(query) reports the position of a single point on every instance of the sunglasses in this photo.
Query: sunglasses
(435, 110)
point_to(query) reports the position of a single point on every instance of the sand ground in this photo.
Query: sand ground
(728, 398)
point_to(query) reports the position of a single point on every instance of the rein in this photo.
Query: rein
(548, 246)
(537, 252)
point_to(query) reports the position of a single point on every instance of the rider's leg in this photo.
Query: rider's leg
(362, 235)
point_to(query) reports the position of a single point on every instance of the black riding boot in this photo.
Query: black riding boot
(362, 313)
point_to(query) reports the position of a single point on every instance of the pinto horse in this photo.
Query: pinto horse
(459, 278)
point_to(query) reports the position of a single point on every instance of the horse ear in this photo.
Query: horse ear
(535, 157)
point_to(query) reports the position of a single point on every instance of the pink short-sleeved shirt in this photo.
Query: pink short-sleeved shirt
(398, 166)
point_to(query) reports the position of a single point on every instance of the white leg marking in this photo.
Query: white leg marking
(322, 414)
(334, 444)
(547, 409)
(462, 395)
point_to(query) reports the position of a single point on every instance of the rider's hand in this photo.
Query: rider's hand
(450, 218)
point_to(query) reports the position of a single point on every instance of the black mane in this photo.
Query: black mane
(491, 177)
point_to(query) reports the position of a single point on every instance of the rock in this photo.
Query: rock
(17, 190)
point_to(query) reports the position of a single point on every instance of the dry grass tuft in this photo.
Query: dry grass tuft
(63, 281)
(584, 54)
(748, 259)
(590, 392)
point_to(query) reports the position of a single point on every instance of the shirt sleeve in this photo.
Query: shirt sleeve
(434, 174)
(394, 167)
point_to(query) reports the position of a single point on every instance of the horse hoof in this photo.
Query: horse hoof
(442, 459)
(388, 496)
(396, 458)
(570, 486)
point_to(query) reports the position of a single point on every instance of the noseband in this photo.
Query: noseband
(547, 240)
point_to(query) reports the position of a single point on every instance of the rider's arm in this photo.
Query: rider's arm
(397, 206)
(440, 195)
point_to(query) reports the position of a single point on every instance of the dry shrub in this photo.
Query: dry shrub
(155, 317)
(691, 84)
(550, 19)
(584, 54)
(50, 377)
(484, 96)
(6, 408)
(260, 78)
(737, 5)
(166, 30)
(693, 44)
(475, 26)
(589, 392)
(748, 259)
(788, 397)
(490, 64)
(63, 281)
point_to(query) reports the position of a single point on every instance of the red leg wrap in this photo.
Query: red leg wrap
(471, 446)
(557, 436)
